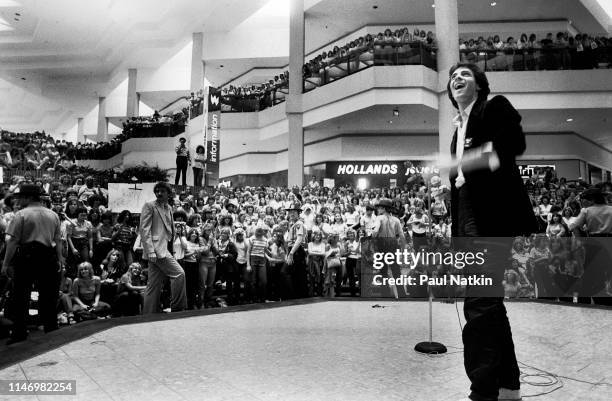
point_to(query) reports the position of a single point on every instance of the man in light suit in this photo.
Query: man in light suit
(157, 234)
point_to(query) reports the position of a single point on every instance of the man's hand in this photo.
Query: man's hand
(153, 257)
(290, 258)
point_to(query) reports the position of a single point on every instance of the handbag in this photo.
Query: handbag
(334, 263)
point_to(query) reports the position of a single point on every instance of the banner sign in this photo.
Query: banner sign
(130, 197)
(213, 138)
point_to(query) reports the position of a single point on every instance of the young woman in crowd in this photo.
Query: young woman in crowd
(80, 238)
(191, 246)
(316, 262)
(278, 280)
(130, 299)
(556, 227)
(226, 258)
(124, 236)
(86, 293)
(352, 247)
(333, 267)
(241, 273)
(208, 264)
(256, 263)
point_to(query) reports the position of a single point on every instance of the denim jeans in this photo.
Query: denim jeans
(208, 271)
(258, 264)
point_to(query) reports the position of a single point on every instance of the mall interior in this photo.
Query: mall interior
(80, 72)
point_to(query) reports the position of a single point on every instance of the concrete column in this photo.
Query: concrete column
(197, 66)
(294, 109)
(80, 130)
(132, 97)
(102, 134)
(447, 37)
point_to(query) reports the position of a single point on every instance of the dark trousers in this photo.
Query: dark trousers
(299, 275)
(489, 357)
(181, 168)
(198, 173)
(488, 349)
(232, 283)
(192, 284)
(35, 264)
(351, 269)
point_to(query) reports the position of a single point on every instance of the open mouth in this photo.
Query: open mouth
(459, 85)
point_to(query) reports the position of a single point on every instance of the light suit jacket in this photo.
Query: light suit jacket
(156, 229)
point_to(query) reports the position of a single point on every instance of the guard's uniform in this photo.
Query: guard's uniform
(299, 279)
(37, 231)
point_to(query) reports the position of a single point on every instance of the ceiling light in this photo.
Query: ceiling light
(396, 112)
(493, 4)
(433, 6)
(569, 120)
(375, 7)
(390, 121)
(17, 14)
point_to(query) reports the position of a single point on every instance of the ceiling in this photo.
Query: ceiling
(58, 56)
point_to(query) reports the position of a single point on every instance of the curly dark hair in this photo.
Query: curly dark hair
(479, 76)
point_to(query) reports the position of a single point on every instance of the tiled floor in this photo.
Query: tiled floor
(322, 351)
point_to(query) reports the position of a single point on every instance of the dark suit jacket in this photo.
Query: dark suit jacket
(499, 200)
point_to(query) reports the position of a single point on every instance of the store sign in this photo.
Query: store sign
(366, 169)
(383, 169)
(528, 170)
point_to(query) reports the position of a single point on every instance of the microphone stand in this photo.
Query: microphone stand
(430, 347)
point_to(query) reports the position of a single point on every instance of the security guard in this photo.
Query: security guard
(296, 256)
(33, 256)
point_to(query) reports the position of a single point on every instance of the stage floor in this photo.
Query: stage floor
(337, 350)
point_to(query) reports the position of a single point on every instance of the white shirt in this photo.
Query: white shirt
(461, 121)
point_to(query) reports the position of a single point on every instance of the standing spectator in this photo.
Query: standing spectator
(157, 234)
(208, 264)
(124, 236)
(256, 263)
(199, 161)
(33, 255)
(182, 161)
(80, 238)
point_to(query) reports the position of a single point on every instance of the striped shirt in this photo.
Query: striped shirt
(258, 246)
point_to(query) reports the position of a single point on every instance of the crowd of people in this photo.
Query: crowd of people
(561, 51)
(234, 244)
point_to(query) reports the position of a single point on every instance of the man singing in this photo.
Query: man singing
(486, 142)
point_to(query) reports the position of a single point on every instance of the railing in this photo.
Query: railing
(376, 54)
(563, 58)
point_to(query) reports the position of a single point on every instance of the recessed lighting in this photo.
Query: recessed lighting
(16, 19)
(221, 66)
(433, 6)
(23, 79)
(390, 121)
(375, 7)
(17, 14)
(569, 120)
(244, 144)
(493, 3)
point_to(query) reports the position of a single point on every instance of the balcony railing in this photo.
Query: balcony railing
(554, 58)
(412, 53)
